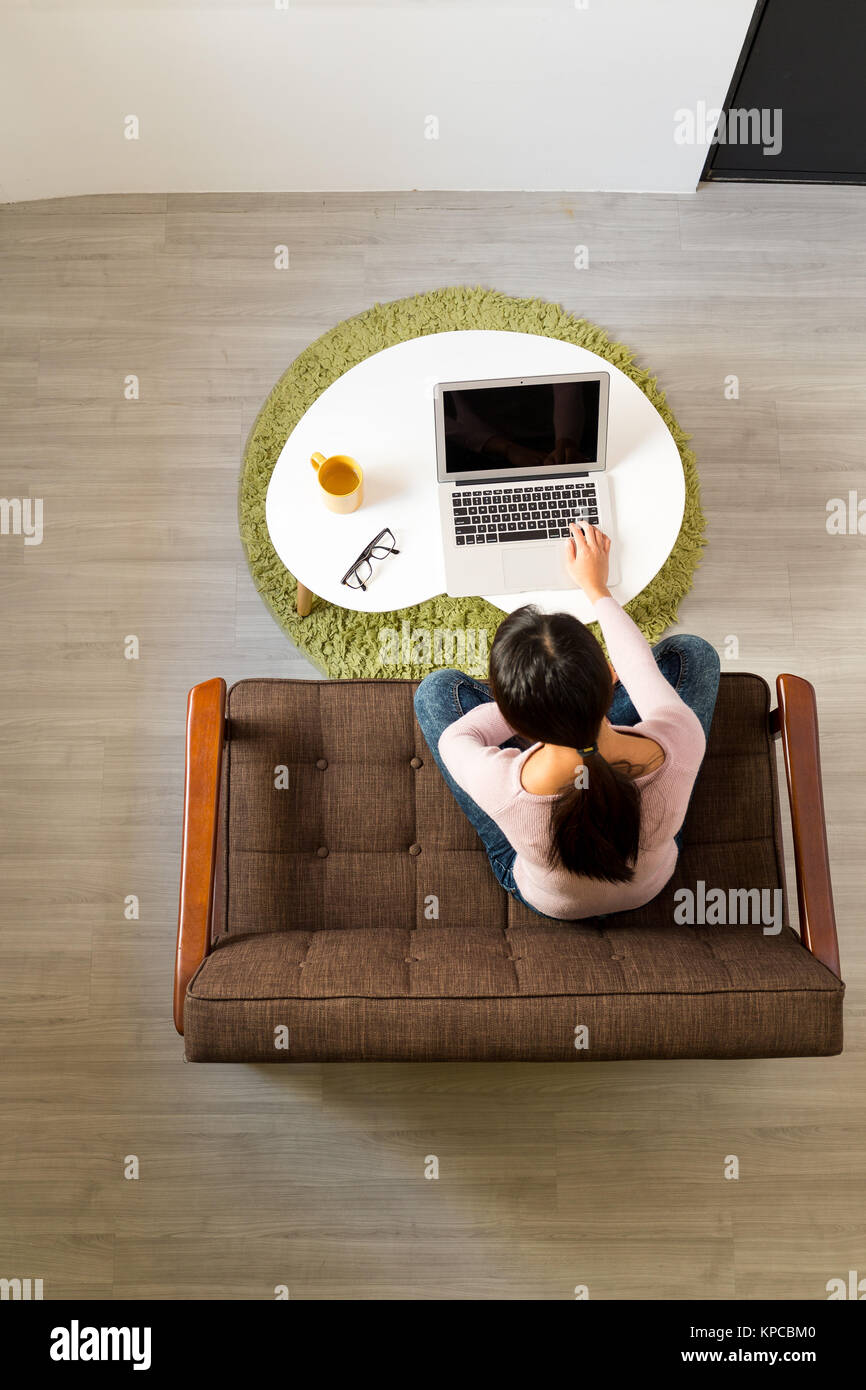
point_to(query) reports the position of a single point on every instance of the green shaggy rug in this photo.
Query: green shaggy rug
(411, 642)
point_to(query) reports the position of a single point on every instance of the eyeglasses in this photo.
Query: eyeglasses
(358, 575)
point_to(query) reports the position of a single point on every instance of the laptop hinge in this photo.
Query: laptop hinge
(520, 478)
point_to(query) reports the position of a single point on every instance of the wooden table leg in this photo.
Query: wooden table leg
(304, 601)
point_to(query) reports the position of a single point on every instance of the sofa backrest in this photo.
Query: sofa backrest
(335, 816)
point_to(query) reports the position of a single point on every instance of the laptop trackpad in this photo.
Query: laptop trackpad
(529, 567)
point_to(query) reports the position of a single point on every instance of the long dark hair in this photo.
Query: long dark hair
(549, 677)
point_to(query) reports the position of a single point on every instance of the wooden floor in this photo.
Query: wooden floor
(609, 1176)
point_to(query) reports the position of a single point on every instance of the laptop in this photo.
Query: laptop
(517, 459)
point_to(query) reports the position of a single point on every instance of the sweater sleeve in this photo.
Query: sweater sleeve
(652, 696)
(470, 750)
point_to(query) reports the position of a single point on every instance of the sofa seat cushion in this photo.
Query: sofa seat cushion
(434, 993)
(537, 960)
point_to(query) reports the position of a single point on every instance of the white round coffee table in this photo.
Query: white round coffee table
(381, 413)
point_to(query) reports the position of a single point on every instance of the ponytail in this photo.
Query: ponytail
(596, 828)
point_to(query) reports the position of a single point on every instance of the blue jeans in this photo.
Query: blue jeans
(687, 663)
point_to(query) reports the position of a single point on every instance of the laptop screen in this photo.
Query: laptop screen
(524, 427)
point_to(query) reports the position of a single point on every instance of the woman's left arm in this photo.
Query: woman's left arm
(470, 750)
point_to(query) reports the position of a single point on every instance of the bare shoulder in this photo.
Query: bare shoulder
(541, 777)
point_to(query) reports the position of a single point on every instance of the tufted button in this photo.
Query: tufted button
(414, 849)
(416, 762)
(322, 764)
(322, 852)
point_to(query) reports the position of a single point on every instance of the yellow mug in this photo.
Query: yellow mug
(341, 480)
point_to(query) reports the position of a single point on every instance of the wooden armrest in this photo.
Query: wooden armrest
(205, 730)
(796, 719)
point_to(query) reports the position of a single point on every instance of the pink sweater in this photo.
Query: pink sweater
(492, 776)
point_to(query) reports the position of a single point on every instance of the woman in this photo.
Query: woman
(586, 820)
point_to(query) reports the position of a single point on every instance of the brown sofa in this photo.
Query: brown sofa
(350, 914)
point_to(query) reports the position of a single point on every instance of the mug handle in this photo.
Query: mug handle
(317, 460)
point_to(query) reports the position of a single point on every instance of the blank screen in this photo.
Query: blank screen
(493, 427)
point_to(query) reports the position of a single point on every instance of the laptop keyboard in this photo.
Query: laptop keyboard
(491, 516)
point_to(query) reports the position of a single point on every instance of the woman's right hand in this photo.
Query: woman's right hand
(587, 559)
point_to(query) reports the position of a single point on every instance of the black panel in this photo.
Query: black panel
(807, 59)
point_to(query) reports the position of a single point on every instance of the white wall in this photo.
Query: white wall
(326, 96)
